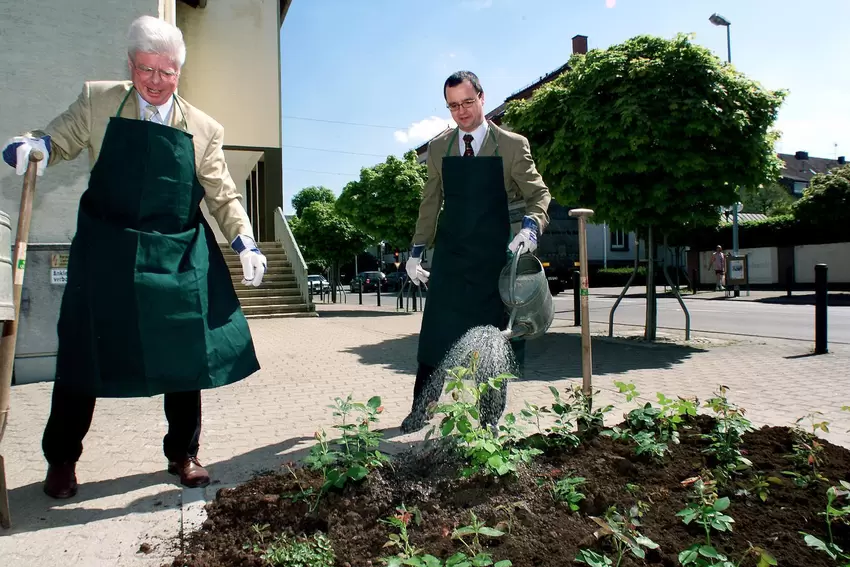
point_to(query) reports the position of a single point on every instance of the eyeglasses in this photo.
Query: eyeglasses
(147, 72)
(455, 106)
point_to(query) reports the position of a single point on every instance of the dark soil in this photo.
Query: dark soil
(541, 532)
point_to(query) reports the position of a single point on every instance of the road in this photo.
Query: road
(750, 318)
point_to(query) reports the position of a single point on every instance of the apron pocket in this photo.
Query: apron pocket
(172, 328)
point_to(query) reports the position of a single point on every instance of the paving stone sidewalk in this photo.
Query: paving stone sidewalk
(129, 511)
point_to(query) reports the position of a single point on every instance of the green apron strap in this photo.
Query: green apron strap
(123, 102)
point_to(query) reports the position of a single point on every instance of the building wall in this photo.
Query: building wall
(599, 244)
(835, 256)
(41, 73)
(232, 73)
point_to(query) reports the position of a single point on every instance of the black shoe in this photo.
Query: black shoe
(413, 422)
(61, 481)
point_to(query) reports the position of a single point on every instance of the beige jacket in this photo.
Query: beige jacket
(522, 181)
(83, 126)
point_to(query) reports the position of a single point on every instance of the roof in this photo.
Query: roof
(284, 6)
(742, 217)
(804, 169)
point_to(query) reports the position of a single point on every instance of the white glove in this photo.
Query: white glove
(22, 146)
(527, 236)
(414, 268)
(253, 262)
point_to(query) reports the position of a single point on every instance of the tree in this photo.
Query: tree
(827, 199)
(384, 202)
(651, 133)
(327, 238)
(309, 195)
(772, 199)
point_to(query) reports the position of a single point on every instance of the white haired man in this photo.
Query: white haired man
(149, 307)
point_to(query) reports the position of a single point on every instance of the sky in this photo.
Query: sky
(362, 80)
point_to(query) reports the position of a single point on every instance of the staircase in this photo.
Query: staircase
(278, 295)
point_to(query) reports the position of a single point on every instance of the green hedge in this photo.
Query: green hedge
(779, 231)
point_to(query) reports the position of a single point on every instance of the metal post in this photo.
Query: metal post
(789, 280)
(379, 291)
(735, 241)
(576, 299)
(586, 359)
(820, 309)
(649, 332)
(729, 43)
(359, 290)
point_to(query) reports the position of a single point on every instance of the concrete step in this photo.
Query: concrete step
(270, 300)
(258, 310)
(245, 292)
(273, 277)
(271, 263)
(294, 315)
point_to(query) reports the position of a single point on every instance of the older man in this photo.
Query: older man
(474, 171)
(149, 307)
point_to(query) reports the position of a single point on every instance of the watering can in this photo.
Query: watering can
(524, 290)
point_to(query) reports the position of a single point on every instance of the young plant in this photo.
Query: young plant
(532, 414)
(510, 510)
(351, 456)
(282, 551)
(725, 438)
(566, 490)
(592, 558)
(491, 452)
(808, 455)
(623, 529)
(705, 509)
(400, 520)
(833, 513)
(759, 487)
(475, 530)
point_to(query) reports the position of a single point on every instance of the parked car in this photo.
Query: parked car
(395, 280)
(368, 281)
(318, 284)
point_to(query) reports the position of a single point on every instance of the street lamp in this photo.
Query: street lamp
(719, 20)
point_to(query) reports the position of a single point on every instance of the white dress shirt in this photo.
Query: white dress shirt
(164, 116)
(478, 137)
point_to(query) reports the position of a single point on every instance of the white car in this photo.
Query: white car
(318, 284)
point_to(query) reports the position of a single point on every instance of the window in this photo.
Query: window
(799, 187)
(619, 240)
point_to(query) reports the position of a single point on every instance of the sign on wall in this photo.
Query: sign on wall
(59, 269)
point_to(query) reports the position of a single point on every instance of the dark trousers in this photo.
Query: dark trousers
(71, 414)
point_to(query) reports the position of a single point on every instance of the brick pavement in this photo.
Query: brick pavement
(127, 501)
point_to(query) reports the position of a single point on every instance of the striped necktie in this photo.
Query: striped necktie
(152, 114)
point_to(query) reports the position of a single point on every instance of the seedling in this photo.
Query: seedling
(623, 528)
(706, 509)
(566, 490)
(354, 453)
(759, 487)
(727, 434)
(510, 510)
(488, 451)
(808, 454)
(833, 513)
(592, 558)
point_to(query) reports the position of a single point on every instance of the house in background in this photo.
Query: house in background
(799, 168)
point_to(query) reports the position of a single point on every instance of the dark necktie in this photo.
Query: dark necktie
(467, 152)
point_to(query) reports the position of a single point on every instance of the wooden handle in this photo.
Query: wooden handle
(36, 155)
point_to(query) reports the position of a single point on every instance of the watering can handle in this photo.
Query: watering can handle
(514, 264)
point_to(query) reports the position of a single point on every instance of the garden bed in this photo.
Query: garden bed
(587, 494)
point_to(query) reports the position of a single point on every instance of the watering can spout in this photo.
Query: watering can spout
(515, 332)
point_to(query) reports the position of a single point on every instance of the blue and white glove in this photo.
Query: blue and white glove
(253, 261)
(415, 271)
(527, 236)
(16, 152)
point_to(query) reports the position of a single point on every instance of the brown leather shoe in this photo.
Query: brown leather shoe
(61, 481)
(192, 473)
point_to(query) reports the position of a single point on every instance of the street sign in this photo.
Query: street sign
(737, 272)
(397, 264)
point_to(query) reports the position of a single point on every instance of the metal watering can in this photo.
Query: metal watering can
(524, 290)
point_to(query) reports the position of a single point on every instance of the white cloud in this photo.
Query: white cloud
(477, 4)
(610, 3)
(423, 130)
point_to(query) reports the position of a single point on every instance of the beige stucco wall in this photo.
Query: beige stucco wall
(232, 67)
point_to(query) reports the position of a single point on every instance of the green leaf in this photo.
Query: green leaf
(709, 551)
(817, 543)
(357, 472)
(447, 427)
(688, 556)
(374, 402)
(503, 563)
(721, 504)
(492, 532)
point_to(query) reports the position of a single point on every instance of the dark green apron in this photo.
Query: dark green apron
(472, 236)
(149, 307)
